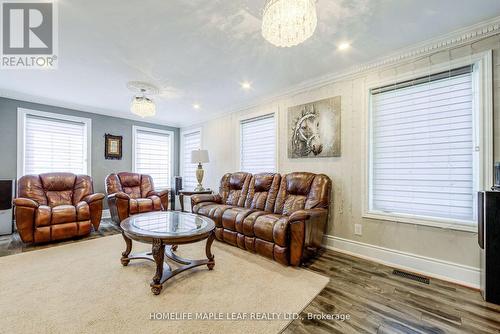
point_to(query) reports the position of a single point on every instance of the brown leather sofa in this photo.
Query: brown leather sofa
(132, 193)
(56, 206)
(276, 216)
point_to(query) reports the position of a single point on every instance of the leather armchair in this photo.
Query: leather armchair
(132, 193)
(56, 206)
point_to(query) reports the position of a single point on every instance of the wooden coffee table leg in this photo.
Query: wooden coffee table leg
(125, 260)
(208, 251)
(158, 250)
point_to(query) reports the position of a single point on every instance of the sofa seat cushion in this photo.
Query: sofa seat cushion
(213, 211)
(249, 221)
(156, 202)
(141, 205)
(197, 207)
(63, 214)
(232, 219)
(272, 228)
(43, 216)
(82, 211)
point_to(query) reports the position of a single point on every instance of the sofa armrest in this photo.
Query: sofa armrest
(158, 193)
(197, 199)
(25, 202)
(307, 214)
(25, 210)
(120, 195)
(306, 229)
(119, 205)
(95, 202)
(163, 195)
(93, 197)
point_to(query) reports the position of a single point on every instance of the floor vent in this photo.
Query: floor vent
(413, 277)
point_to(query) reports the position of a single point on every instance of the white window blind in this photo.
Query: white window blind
(191, 141)
(258, 145)
(54, 145)
(152, 150)
(422, 147)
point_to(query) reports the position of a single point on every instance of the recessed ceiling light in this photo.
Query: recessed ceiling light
(246, 85)
(343, 46)
(196, 106)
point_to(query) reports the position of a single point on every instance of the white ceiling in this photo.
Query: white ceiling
(198, 51)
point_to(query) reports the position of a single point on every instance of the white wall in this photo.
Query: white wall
(220, 137)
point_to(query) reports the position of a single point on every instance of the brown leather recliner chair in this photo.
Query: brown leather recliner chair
(276, 216)
(56, 206)
(132, 193)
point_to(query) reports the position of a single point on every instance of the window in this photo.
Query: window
(424, 160)
(258, 144)
(53, 143)
(190, 141)
(153, 150)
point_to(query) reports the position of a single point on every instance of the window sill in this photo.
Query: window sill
(447, 224)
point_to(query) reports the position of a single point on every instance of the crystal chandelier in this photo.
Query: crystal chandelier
(287, 23)
(142, 105)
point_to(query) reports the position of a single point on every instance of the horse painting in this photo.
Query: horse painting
(314, 129)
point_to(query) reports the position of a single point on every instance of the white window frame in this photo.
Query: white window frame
(22, 113)
(184, 133)
(483, 120)
(136, 128)
(259, 114)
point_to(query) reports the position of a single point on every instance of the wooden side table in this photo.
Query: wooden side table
(183, 193)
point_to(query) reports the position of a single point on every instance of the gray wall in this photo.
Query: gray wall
(100, 125)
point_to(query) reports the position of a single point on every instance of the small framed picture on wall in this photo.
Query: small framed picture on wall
(113, 147)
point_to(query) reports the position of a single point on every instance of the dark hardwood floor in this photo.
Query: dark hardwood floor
(375, 300)
(379, 302)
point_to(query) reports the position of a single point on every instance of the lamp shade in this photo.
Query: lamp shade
(199, 156)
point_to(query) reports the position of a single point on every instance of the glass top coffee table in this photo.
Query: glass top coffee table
(165, 230)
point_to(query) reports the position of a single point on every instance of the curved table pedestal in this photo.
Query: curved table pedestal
(160, 251)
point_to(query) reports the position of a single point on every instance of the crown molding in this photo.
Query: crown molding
(453, 39)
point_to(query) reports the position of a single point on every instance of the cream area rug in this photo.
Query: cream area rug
(83, 288)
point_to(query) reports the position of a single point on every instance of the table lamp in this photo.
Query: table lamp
(199, 157)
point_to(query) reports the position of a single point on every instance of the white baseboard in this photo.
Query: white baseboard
(106, 214)
(444, 270)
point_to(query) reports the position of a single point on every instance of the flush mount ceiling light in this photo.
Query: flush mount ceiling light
(343, 46)
(142, 105)
(287, 23)
(246, 85)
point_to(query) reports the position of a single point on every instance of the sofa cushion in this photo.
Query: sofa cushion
(30, 186)
(82, 211)
(234, 188)
(262, 191)
(63, 214)
(212, 210)
(64, 231)
(233, 218)
(131, 184)
(140, 205)
(84, 228)
(60, 197)
(83, 187)
(43, 216)
(292, 195)
(272, 228)
(249, 221)
(156, 202)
